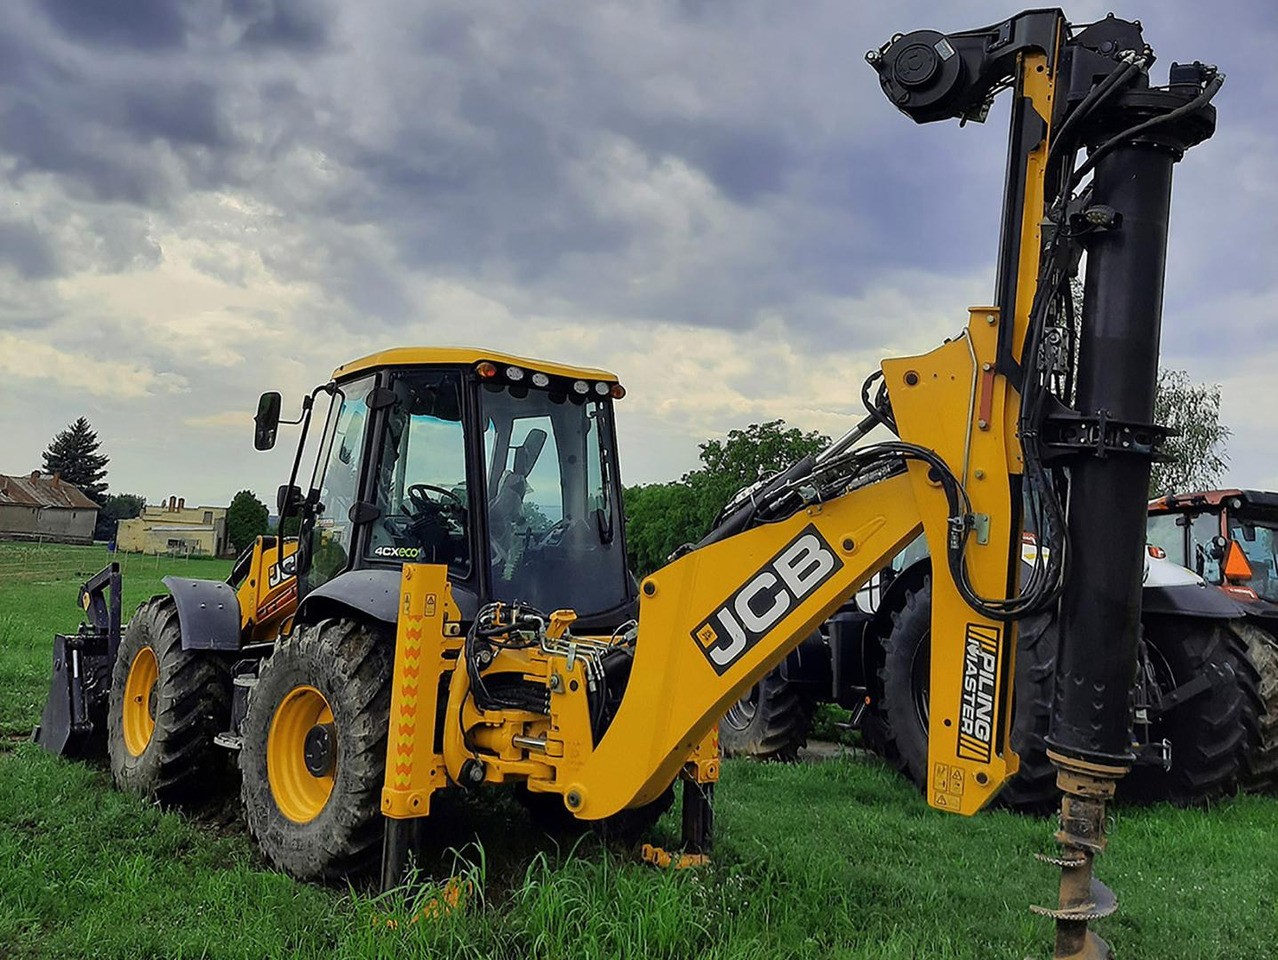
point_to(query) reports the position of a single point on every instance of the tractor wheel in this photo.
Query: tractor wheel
(771, 722)
(1207, 732)
(901, 730)
(166, 705)
(1259, 651)
(314, 749)
(1033, 789)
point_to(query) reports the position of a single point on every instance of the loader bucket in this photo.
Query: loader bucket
(73, 723)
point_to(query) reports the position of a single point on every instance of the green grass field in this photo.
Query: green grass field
(836, 859)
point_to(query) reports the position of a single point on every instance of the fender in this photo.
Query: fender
(371, 593)
(208, 613)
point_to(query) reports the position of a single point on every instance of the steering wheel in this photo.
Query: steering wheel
(553, 535)
(424, 504)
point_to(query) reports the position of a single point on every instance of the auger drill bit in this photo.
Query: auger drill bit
(1083, 898)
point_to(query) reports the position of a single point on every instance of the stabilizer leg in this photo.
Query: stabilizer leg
(698, 817)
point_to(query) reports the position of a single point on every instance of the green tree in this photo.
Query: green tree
(1197, 452)
(661, 517)
(246, 519)
(73, 455)
(118, 506)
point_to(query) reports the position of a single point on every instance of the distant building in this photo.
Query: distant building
(174, 527)
(39, 507)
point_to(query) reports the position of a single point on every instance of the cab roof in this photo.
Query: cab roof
(1212, 498)
(464, 356)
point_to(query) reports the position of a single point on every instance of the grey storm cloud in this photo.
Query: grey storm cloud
(499, 129)
(724, 166)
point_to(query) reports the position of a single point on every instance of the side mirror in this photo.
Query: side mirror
(286, 498)
(267, 422)
(1218, 546)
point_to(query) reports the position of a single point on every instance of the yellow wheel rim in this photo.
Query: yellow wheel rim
(138, 721)
(299, 794)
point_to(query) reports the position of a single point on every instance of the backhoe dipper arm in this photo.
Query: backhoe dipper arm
(951, 402)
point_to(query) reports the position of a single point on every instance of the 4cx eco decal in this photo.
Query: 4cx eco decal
(976, 703)
(765, 598)
(398, 553)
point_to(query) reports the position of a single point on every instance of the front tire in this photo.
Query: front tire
(314, 750)
(166, 705)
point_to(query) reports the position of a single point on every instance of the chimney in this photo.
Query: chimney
(181, 503)
(172, 504)
(57, 477)
(35, 474)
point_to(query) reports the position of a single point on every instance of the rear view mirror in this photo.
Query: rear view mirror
(287, 498)
(267, 422)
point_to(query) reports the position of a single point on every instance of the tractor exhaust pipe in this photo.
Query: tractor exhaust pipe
(1090, 734)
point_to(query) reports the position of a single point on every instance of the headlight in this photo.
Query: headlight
(514, 374)
(540, 380)
(601, 389)
(581, 387)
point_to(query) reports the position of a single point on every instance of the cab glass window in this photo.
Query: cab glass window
(550, 482)
(420, 481)
(336, 478)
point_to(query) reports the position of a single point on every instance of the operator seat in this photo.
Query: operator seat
(506, 505)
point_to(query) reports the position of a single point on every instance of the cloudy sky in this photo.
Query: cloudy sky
(204, 200)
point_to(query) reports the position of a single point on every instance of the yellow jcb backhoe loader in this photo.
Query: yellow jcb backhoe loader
(466, 616)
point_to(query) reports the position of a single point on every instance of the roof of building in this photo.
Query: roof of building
(35, 490)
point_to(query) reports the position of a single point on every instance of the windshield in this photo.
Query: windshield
(551, 520)
(1167, 530)
(420, 484)
(1259, 543)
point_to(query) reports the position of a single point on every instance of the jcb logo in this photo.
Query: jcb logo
(277, 573)
(744, 618)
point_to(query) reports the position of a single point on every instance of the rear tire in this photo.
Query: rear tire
(1259, 652)
(771, 722)
(166, 705)
(1208, 733)
(333, 827)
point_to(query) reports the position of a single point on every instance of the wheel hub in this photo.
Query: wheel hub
(301, 761)
(319, 751)
(138, 711)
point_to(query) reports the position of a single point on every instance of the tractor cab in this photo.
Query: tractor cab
(502, 468)
(1229, 537)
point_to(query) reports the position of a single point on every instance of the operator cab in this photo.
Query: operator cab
(500, 467)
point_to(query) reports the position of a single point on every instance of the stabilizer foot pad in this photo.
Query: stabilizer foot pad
(659, 857)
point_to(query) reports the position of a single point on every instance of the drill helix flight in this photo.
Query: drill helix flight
(431, 628)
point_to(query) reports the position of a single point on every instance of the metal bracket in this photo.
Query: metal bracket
(1070, 433)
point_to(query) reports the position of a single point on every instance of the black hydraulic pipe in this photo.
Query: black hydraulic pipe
(1117, 378)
